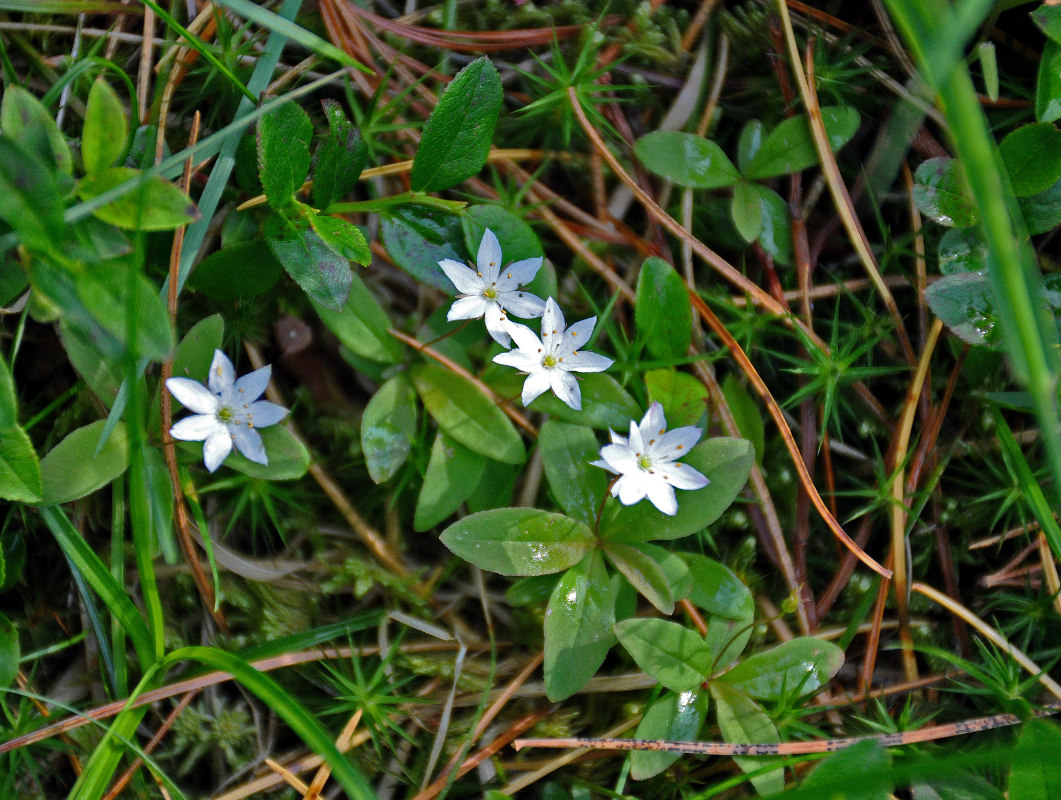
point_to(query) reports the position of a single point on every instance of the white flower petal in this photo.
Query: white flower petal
(488, 259)
(217, 448)
(682, 476)
(222, 373)
(519, 360)
(526, 341)
(662, 497)
(584, 361)
(262, 414)
(636, 444)
(552, 325)
(620, 457)
(653, 424)
(576, 337)
(536, 384)
(519, 273)
(630, 489)
(603, 465)
(465, 279)
(193, 395)
(497, 325)
(196, 428)
(673, 445)
(522, 304)
(471, 307)
(616, 438)
(566, 388)
(249, 442)
(252, 385)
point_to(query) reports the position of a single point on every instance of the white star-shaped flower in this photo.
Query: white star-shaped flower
(491, 292)
(549, 361)
(226, 410)
(647, 464)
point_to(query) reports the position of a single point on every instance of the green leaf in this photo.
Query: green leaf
(284, 135)
(794, 668)
(1048, 18)
(957, 786)
(965, 303)
(30, 200)
(940, 193)
(717, 590)
(418, 237)
(467, 414)
(1048, 85)
(677, 571)
(662, 311)
(519, 541)
(671, 653)
(1032, 155)
(859, 772)
(752, 136)
(12, 556)
(340, 158)
(566, 452)
(8, 401)
(452, 475)
(747, 211)
(605, 404)
(362, 325)
(683, 397)
(687, 159)
(195, 352)
(517, 239)
(578, 627)
(73, 468)
(288, 457)
(495, 488)
(24, 119)
(725, 462)
(343, 237)
(742, 721)
(790, 146)
(241, 271)
(9, 651)
(20, 474)
(962, 250)
(103, 374)
(675, 717)
(776, 235)
(388, 427)
(531, 590)
(1042, 212)
(643, 572)
(1034, 774)
(154, 205)
(322, 273)
(746, 413)
(106, 131)
(455, 142)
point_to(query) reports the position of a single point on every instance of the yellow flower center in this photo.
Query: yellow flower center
(490, 293)
(644, 462)
(550, 361)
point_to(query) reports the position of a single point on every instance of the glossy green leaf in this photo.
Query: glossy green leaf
(687, 159)
(20, 474)
(30, 200)
(742, 721)
(24, 119)
(339, 160)
(725, 462)
(519, 541)
(322, 273)
(662, 311)
(1042, 212)
(746, 412)
(1048, 86)
(717, 590)
(8, 402)
(417, 238)
(746, 211)
(683, 397)
(643, 572)
(679, 578)
(241, 271)
(73, 468)
(752, 136)
(284, 135)
(452, 475)
(605, 404)
(940, 193)
(9, 652)
(790, 146)
(288, 457)
(362, 325)
(1032, 155)
(102, 373)
(578, 627)
(106, 131)
(496, 488)
(794, 668)
(859, 772)
(962, 250)
(154, 204)
(195, 352)
(517, 238)
(531, 590)
(566, 452)
(1048, 18)
(776, 234)
(388, 427)
(675, 717)
(965, 303)
(1034, 774)
(727, 639)
(343, 237)
(468, 415)
(455, 142)
(674, 655)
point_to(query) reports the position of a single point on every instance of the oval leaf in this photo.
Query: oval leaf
(452, 475)
(566, 452)
(340, 158)
(578, 627)
(662, 311)
(742, 721)
(73, 469)
(519, 541)
(643, 572)
(322, 273)
(9, 652)
(792, 669)
(671, 653)
(388, 427)
(1048, 86)
(1032, 155)
(362, 325)
(456, 139)
(106, 129)
(683, 397)
(20, 474)
(687, 159)
(675, 717)
(746, 211)
(417, 238)
(151, 203)
(283, 152)
(24, 119)
(464, 412)
(940, 193)
(790, 146)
